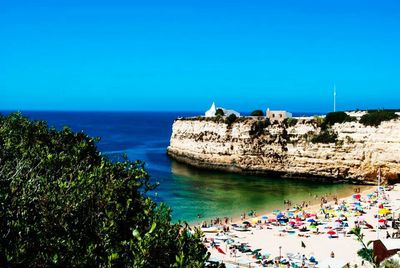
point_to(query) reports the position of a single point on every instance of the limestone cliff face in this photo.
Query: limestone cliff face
(247, 146)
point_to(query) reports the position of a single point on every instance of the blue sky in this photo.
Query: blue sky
(182, 55)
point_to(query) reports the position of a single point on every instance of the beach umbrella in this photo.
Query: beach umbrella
(254, 220)
(220, 250)
(264, 217)
(383, 211)
(246, 223)
(310, 220)
(381, 220)
(276, 212)
(279, 216)
(292, 222)
(312, 227)
(331, 232)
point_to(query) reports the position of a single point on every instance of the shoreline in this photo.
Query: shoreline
(314, 203)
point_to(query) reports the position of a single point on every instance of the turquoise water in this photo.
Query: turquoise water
(187, 191)
(214, 194)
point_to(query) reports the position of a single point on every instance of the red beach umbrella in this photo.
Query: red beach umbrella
(381, 220)
(331, 232)
(292, 223)
(220, 250)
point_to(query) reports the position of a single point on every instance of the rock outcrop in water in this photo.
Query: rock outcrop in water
(249, 146)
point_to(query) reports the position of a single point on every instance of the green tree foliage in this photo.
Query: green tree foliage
(258, 127)
(63, 204)
(231, 119)
(257, 113)
(336, 117)
(325, 136)
(219, 112)
(290, 122)
(375, 118)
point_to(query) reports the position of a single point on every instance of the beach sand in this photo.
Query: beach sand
(275, 242)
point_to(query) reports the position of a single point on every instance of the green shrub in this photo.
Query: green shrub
(375, 118)
(219, 112)
(325, 136)
(62, 204)
(257, 113)
(230, 119)
(319, 120)
(258, 127)
(336, 117)
(290, 122)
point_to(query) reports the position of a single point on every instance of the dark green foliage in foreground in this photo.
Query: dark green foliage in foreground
(336, 117)
(62, 204)
(375, 118)
(325, 136)
(219, 112)
(257, 113)
(231, 119)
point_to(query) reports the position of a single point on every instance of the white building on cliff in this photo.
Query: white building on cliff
(277, 115)
(211, 112)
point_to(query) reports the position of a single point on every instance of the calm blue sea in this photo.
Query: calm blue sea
(189, 192)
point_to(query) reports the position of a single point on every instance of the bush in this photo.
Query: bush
(319, 120)
(230, 119)
(258, 127)
(257, 113)
(62, 204)
(336, 117)
(375, 118)
(325, 136)
(290, 122)
(219, 112)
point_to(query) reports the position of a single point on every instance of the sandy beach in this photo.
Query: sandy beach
(325, 235)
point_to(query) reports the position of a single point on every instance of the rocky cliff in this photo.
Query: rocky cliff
(251, 146)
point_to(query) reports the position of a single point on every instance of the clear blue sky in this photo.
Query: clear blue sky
(182, 55)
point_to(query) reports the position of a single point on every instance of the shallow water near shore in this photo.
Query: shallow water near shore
(188, 191)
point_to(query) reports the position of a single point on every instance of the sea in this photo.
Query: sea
(194, 195)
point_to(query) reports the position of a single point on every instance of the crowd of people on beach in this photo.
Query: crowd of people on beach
(334, 217)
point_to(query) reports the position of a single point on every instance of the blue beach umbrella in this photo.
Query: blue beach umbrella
(310, 220)
(276, 211)
(264, 217)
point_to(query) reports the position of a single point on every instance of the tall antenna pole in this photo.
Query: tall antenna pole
(334, 97)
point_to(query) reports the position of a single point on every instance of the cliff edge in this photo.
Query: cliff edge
(254, 146)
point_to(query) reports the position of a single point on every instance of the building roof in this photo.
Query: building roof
(391, 244)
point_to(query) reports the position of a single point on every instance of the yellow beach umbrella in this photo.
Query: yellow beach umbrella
(383, 211)
(254, 220)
